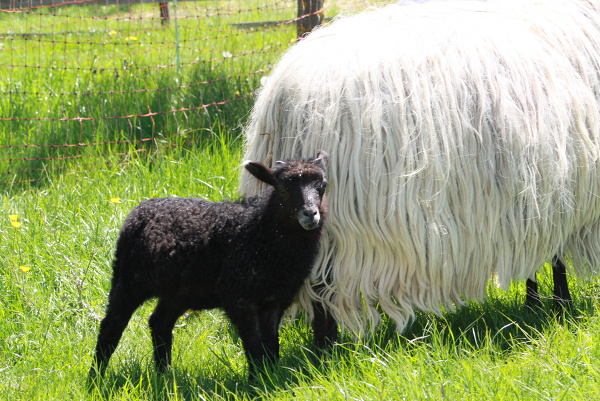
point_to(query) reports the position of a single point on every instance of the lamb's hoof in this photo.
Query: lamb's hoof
(94, 378)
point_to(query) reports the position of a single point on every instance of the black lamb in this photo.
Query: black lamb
(248, 257)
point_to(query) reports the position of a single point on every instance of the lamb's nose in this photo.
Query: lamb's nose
(309, 218)
(310, 213)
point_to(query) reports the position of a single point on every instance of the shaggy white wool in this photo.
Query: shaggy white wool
(464, 139)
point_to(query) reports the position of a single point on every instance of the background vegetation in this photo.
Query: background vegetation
(57, 238)
(78, 82)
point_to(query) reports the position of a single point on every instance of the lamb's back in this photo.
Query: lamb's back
(178, 241)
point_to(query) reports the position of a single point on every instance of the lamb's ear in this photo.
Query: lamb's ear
(261, 172)
(322, 159)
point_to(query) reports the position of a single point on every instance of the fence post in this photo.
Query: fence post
(310, 14)
(163, 7)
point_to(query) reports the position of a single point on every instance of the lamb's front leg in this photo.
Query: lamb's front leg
(259, 334)
(324, 327)
(245, 319)
(270, 318)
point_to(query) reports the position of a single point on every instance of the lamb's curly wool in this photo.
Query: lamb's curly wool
(248, 257)
(465, 142)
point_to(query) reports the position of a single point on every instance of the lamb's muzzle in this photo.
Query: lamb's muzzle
(309, 218)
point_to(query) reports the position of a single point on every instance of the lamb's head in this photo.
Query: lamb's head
(299, 185)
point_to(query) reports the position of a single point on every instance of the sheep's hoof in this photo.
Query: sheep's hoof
(324, 342)
(163, 367)
(534, 305)
(563, 306)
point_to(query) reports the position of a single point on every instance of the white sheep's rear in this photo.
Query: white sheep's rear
(464, 139)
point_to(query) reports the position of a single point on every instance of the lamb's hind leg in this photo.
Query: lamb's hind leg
(121, 306)
(161, 324)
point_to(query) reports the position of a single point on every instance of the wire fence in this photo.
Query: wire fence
(82, 79)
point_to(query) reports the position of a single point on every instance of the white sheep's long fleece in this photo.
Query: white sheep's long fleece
(464, 139)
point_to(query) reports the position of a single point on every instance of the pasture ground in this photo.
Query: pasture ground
(54, 279)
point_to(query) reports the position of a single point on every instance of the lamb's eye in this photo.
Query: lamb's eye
(322, 188)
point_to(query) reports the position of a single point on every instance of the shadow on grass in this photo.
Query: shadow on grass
(182, 383)
(501, 323)
(158, 114)
(177, 383)
(218, 378)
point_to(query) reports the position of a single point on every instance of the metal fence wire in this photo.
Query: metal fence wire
(86, 78)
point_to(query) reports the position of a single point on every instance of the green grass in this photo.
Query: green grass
(85, 81)
(50, 314)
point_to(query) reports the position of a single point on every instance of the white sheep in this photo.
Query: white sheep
(464, 139)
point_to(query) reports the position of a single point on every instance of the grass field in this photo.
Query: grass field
(54, 279)
(57, 238)
(86, 81)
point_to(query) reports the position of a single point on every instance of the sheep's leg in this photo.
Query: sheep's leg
(119, 312)
(532, 297)
(161, 324)
(562, 296)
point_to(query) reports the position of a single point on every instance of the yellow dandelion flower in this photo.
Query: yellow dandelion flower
(133, 38)
(15, 224)
(112, 33)
(13, 217)
(24, 269)
(115, 200)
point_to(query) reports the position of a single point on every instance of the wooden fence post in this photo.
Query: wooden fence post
(164, 11)
(310, 14)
